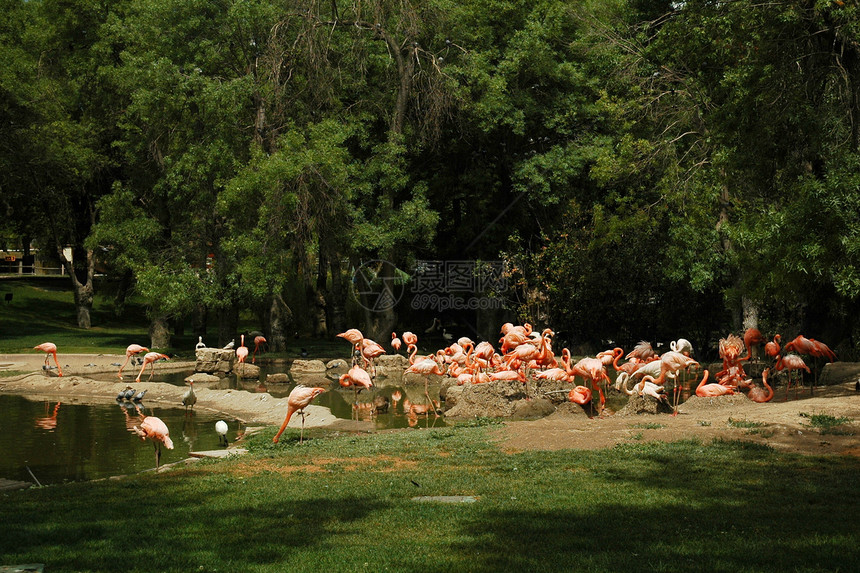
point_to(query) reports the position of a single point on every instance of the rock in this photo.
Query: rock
(279, 378)
(391, 361)
(202, 378)
(214, 360)
(247, 371)
(492, 399)
(308, 366)
(336, 363)
(839, 373)
(535, 408)
(643, 405)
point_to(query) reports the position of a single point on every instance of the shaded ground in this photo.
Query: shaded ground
(783, 424)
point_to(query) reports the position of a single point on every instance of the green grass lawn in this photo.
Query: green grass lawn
(344, 503)
(42, 310)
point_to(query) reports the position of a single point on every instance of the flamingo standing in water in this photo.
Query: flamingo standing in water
(242, 351)
(154, 429)
(50, 348)
(258, 342)
(132, 350)
(150, 358)
(300, 397)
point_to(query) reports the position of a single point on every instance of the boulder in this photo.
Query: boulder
(534, 408)
(644, 405)
(247, 371)
(308, 366)
(336, 363)
(492, 399)
(215, 360)
(839, 373)
(279, 378)
(202, 378)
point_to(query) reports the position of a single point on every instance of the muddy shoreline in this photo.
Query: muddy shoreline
(77, 386)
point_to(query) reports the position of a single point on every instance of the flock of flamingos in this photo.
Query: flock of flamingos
(526, 355)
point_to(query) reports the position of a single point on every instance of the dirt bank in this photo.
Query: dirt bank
(76, 386)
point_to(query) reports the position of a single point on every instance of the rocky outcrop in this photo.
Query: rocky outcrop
(215, 360)
(247, 371)
(202, 378)
(308, 366)
(492, 399)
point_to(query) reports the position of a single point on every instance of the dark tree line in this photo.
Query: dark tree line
(644, 169)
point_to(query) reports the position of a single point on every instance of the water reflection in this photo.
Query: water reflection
(75, 442)
(408, 406)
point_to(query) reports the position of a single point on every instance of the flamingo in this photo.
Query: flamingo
(150, 359)
(242, 351)
(682, 345)
(353, 335)
(580, 395)
(130, 351)
(752, 338)
(154, 429)
(772, 348)
(592, 369)
(811, 347)
(792, 362)
(258, 342)
(395, 342)
(221, 430)
(642, 352)
(761, 395)
(426, 367)
(358, 378)
(49, 348)
(300, 397)
(711, 390)
(189, 398)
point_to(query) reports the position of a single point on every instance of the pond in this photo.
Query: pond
(52, 442)
(55, 441)
(344, 403)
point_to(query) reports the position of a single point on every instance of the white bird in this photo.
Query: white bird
(230, 345)
(221, 429)
(683, 346)
(200, 343)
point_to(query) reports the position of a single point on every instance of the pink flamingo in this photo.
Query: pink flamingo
(129, 352)
(154, 429)
(792, 362)
(258, 342)
(711, 390)
(761, 395)
(50, 348)
(772, 348)
(242, 351)
(300, 398)
(580, 395)
(395, 342)
(149, 358)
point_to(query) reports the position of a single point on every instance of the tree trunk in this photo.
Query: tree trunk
(280, 316)
(159, 332)
(83, 291)
(336, 298)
